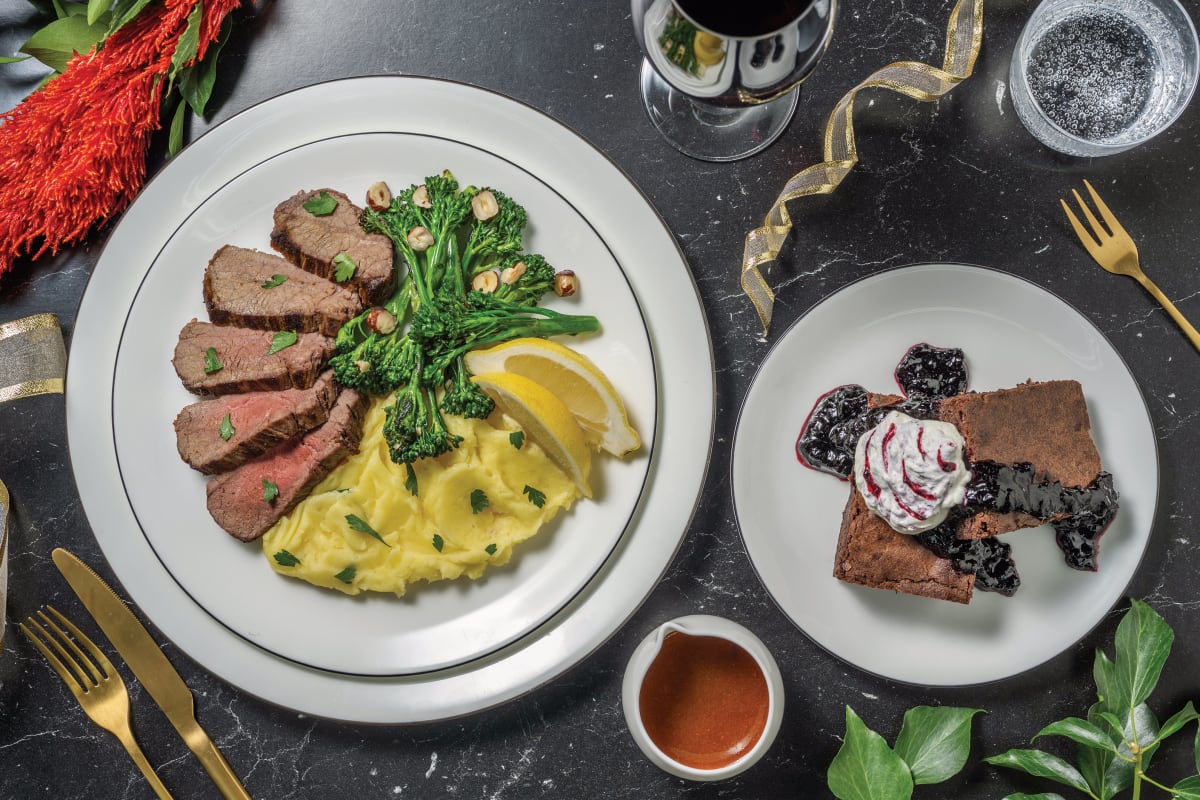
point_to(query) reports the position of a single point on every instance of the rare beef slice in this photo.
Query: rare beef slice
(241, 360)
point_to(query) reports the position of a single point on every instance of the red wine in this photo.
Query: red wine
(743, 18)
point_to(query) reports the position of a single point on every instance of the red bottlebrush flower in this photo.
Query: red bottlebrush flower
(73, 154)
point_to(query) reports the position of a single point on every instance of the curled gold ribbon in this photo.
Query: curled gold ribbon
(33, 358)
(913, 79)
(5, 502)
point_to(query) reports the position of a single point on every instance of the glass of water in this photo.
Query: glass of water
(1095, 77)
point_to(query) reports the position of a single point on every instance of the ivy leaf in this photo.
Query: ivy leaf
(58, 42)
(935, 741)
(359, 524)
(321, 206)
(1187, 789)
(1196, 751)
(1081, 731)
(1106, 772)
(1143, 642)
(347, 575)
(410, 482)
(1104, 672)
(517, 439)
(479, 501)
(1038, 796)
(535, 497)
(226, 430)
(343, 267)
(1178, 720)
(1040, 765)
(865, 768)
(286, 559)
(282, 341)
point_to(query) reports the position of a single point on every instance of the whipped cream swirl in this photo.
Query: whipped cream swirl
(911, 472)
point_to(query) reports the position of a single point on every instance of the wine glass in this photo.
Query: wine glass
(720, 78)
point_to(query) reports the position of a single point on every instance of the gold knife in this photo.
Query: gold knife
(150, 665)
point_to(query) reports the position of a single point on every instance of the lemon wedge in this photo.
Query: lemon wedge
(545, 419)
(571, 376)
(707, 48)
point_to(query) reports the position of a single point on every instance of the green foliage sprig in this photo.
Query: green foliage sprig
(1115, 743)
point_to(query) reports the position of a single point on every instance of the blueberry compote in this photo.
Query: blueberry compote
(926, 375)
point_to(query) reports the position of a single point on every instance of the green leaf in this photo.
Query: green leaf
(1040, 765)
(274, 280)
(270, 490)
(1104, 672)
(1106, 772)
(516, 439)
(1187, 789)
(359, 524)
(282, 341)
(286, 559)
(1038, 796)
(57, 43)
(438, 542)
(410, 482)
(1143, 643)
(212, 363)
(535, 497)
(865, 768)
(343, 267)
(1178, 720)
(347, 575)
(490, 549)
(123, 12)
(1081, 731)
(175, 138)
(196, 81)
(226, 431)
(479, 501)
(1196, 751)
(189, 42)
(96, 9)
(320, 206)
(934, 741)
(12, 59)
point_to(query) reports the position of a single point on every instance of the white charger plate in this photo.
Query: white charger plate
(446, 649)
(789, 515)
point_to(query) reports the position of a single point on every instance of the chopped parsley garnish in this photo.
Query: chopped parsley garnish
(286, 559)
(321, 206)
(211, 362)
(281, 341)
(535, 497)
(479, 501)
(274, 281)
(359, 524)
(270, 490)
(347, 575)
(343, 267)
(226, 430)
(517, 439)
(410, 482)
(490, 549)
(438, 542)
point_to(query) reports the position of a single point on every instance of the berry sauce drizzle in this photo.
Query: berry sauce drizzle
(926, 375)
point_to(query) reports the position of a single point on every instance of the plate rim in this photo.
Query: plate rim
(1004, 275)
(696, 318)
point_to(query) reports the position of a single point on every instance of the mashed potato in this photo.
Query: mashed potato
(472, 507)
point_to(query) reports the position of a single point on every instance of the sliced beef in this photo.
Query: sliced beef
(259, 421)
(245, 365)
(311, 242)
(241, 287)
(236, 499)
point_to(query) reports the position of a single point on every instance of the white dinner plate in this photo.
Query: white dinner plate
(443, 649)
(789, 515)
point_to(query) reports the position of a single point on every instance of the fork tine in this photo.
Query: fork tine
(98, 658)
(1098, 230)
(70, 679)
(61, 638)
(1109, 218)
(1086, 238)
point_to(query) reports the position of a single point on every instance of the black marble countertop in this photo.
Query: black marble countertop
(958, 180)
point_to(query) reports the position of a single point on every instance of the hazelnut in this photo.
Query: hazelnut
(566, 283)
(420, 197)
(511, 275)
(486, 281)
(420, 239)
(380, 320)
(484, 205)
(363, 366)
(379, 196)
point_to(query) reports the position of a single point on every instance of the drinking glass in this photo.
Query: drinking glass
(1095, 77)
(721, 80)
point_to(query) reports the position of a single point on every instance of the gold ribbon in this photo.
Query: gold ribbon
(913, 79)
(4, 505)
(33, 358)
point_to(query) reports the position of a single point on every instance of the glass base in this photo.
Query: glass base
(713, 133)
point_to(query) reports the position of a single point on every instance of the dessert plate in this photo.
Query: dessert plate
(443, 649)
(789, 515)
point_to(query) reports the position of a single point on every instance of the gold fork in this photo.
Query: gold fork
(1113, 249)
(93, 680)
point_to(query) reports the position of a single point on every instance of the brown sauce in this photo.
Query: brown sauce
(704, 700)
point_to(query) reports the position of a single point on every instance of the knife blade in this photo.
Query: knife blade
(150, 665)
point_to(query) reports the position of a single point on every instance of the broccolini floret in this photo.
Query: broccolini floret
(446, 237)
